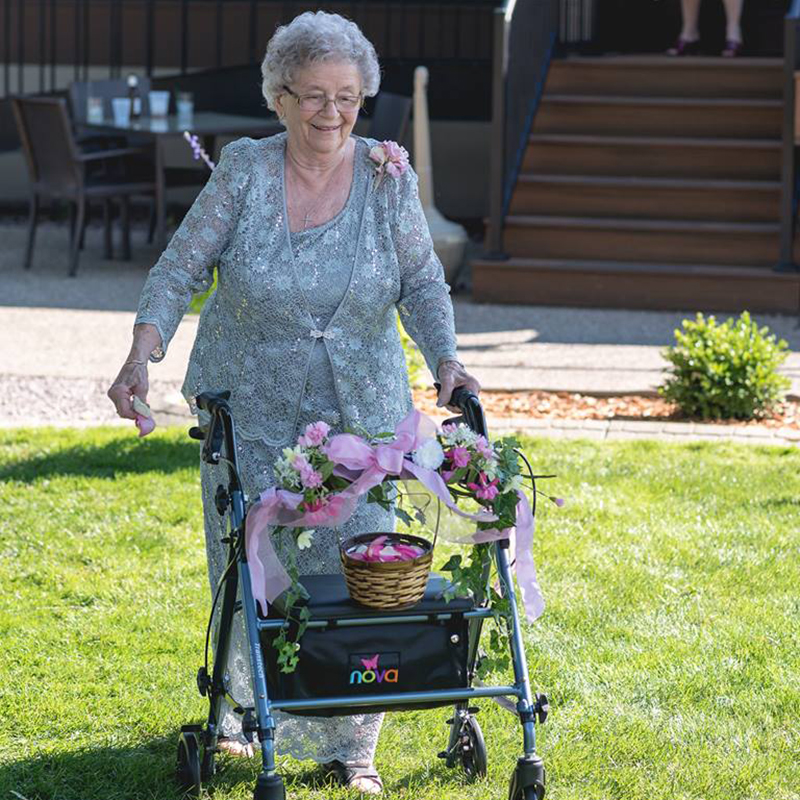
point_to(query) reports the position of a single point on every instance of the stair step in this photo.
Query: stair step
(660, 116)
(594, 283)
(653, 156)
(666, 198)
(643, 240)
(656, 75)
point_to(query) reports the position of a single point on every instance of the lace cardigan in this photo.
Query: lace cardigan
(256, 333)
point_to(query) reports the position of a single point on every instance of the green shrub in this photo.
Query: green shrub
(725, 371)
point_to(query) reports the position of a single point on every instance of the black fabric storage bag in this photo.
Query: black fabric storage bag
(364, 660)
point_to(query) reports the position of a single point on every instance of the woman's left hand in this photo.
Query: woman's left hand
(452, 374)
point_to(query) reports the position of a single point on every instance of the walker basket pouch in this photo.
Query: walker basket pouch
(364, 660)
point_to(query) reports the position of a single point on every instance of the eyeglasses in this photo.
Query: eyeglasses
(316, 101)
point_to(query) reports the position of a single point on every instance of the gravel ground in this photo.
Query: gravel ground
(31, 401)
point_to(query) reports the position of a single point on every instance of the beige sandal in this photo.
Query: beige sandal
(362, 778)
(233, 747)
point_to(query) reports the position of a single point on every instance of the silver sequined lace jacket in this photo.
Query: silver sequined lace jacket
(256, 333)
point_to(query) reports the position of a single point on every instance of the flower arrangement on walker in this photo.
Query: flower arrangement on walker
(320, 481)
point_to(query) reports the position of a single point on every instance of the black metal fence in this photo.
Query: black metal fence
(47, 43)
(525, 36)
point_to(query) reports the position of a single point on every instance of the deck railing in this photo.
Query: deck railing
(789, 172)
(525, 35)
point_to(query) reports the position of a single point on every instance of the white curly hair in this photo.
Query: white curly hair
(312, 37)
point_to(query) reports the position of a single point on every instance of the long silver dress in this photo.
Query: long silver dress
(302, 328)
(323, 257)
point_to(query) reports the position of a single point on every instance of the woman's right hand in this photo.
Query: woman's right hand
(131, 380)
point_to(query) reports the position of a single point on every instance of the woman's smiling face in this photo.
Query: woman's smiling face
(325, 131)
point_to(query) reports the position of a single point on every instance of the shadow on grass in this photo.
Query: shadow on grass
(116, 457)
(779, 502)
(102, 773)
(147, 772)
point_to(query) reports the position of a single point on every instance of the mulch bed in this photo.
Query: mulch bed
(568, 405)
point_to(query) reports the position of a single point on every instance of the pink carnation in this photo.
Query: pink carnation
(459, 456)
(298, 462)
(310, 478)
(315, 434)
(390, 159)
(484, 448)
(322, 511)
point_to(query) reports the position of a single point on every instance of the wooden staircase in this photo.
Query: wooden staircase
(649, 182)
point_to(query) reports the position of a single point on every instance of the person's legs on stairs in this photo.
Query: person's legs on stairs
(733, 31)
(690, 33)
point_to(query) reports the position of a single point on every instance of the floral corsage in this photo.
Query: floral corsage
(390, 159)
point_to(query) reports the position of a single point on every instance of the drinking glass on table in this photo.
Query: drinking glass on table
(121, 106)
(94, 109)
(184, 103)
(159, 103)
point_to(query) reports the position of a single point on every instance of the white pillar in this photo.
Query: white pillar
(449, 239)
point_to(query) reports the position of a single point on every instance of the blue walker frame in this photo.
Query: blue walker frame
(197, 746)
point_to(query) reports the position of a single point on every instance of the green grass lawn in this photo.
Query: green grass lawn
(670, 647)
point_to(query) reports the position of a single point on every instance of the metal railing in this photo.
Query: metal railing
(48, 43)
(789, 171)
(525, 35)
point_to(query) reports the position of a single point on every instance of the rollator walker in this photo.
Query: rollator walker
(425, 656)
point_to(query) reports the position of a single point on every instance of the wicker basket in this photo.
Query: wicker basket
(393, 584)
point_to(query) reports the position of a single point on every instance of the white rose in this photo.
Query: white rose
(429, 455)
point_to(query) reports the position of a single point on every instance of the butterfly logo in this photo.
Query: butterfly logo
(371, 663)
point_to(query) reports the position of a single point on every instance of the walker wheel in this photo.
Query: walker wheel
(188, 767)
(472, 749)
(528, 779)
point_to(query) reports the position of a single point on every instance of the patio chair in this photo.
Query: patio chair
(390, 116)
(58, 170)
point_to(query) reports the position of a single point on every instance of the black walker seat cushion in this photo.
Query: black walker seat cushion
(380, 658)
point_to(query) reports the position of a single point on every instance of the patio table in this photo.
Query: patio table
(207, 125)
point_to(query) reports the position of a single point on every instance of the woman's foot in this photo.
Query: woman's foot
(233, 747)
(362, 778)
(733, 48)
(684, 47)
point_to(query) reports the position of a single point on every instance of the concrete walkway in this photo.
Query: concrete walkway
(63, 340)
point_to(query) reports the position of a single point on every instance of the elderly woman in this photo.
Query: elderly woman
(314, 257)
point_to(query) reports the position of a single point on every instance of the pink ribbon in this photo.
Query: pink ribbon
(521, 536)
(376, 463)
(281, 507)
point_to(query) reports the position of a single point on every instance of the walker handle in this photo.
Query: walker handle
(211, 401)
(470, 407)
